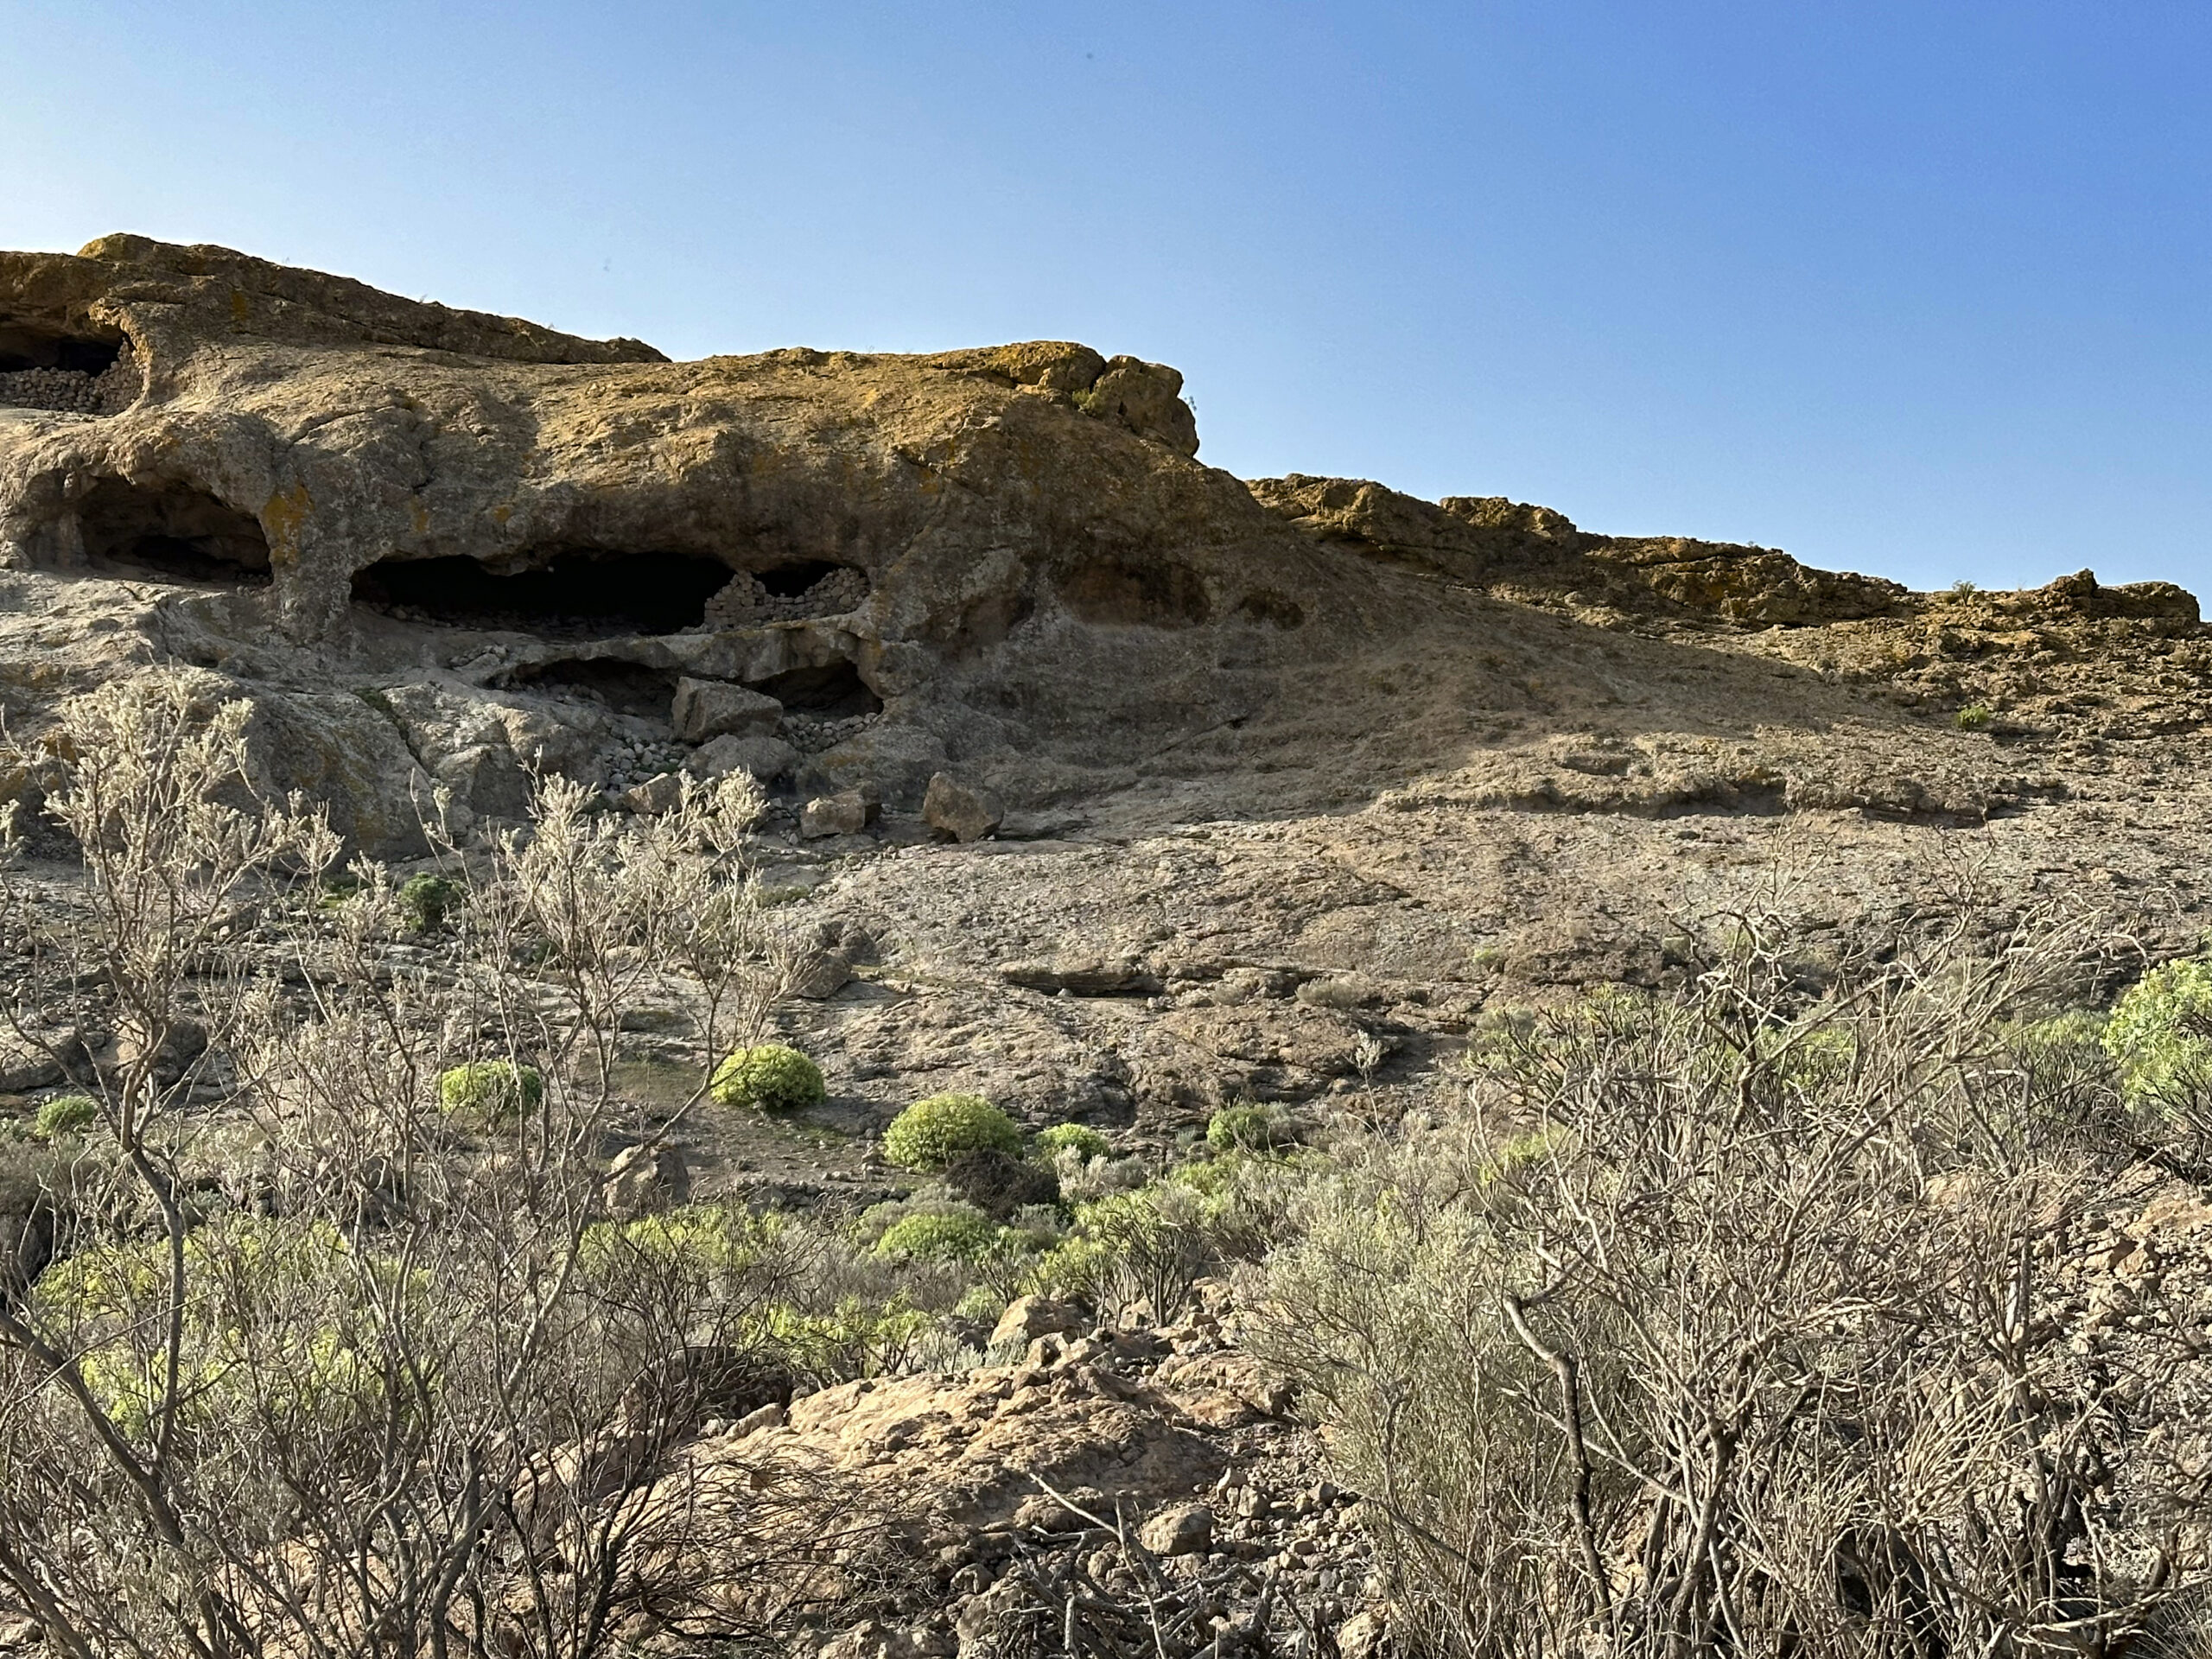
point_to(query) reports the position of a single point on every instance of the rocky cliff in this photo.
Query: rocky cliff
(1271, 765)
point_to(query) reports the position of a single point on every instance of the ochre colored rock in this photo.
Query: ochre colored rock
(961, 811)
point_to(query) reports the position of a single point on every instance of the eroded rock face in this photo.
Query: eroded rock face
(1532, 553)
(440, 550)
(513, 544)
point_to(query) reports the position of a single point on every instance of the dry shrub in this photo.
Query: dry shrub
(1733, 1322)
(404, 1390)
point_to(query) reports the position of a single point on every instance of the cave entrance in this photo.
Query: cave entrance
(170, 532)
(834, 691)
(42, 369)
(626, 688)
(792, 581)
(22, 348)
(581, 593)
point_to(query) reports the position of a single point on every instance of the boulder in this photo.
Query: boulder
(705, 708)
(1363, 1636)
(768, 1416)
(958, 810)
(656, 795)
(643, 1179)
(847, 813)
(766, 758)
(25, 1066)
(1182, 1530)
(870, 1639)
(1027, 1317)
(41, 1058)
(822, 971)
(183, 1042)
(1083, 976)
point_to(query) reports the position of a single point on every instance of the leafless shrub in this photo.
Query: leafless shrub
(1102, 1594)
(1740, 1322)
(407, 1389)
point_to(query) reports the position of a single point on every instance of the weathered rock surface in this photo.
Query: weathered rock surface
(439, 551)
(705, 708)
(1254, 792)
(845, 814)
(1287, 779)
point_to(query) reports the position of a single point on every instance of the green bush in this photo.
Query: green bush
(1151, 1245)
(1974, 717)
(272, 1274)
(713, 1240)
(65, 1115)
(1083, 1141)
(947, 1235)
(428, 900)
(931, 1133)
(1249, 1128)
(2160, 1032)
(768, 1078)
(485, 1094)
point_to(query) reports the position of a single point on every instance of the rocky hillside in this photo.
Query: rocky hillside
(1103, 784)
(1267, 769)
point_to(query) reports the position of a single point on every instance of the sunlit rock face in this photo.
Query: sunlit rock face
(440, 550)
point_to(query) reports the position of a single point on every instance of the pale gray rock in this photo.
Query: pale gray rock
(766, 758)
(643, 1179)
(768, 1416)
(656, 795)
(184, 1041)
(37, 1061)
(848, 813)
(1182, 1530)
(705, 708)
(1028, 1318)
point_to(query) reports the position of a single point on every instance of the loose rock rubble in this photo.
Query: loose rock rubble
(1161, 1459)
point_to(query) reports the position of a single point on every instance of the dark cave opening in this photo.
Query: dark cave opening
(834, 691)
(572, 594)
(790, 581)
(74, 374)
(23, 347)
(626, 688)
(171, 532)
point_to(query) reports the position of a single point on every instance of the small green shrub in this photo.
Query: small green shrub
(716, 1241)
(931, 1133)
(1248, 1127)
(427, 900)
(485, 1094)
(1150, 1245)
(2160, 1032)
(980, 1302)
(1080, 1139)
(65, 1115)
(768, 1078)
(1974, 717)
(947, 1235)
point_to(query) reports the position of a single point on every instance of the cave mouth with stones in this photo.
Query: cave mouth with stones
(23, 347)
(832, 691)
(626, 688)
(170, 532)
(569, 594)
(43, 368)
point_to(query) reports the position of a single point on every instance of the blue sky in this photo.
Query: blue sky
(1923, 288)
